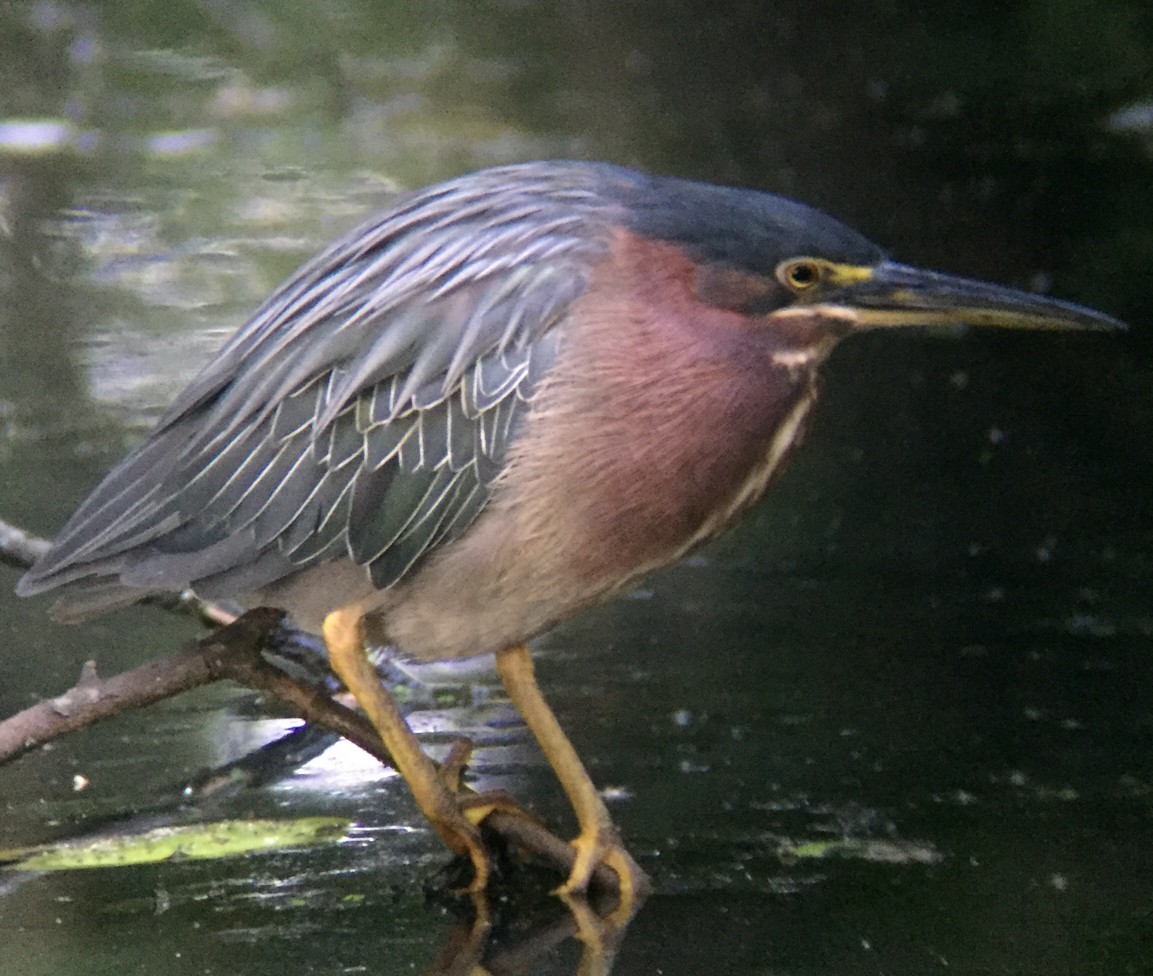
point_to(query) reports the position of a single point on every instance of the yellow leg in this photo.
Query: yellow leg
(345, 640)
(598, 841)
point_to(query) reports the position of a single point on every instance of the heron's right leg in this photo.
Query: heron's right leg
(344, 635)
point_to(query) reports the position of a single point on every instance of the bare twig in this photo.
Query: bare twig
(18, 548)
(231, 652)
(93, 698)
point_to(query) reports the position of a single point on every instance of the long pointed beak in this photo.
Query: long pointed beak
(892, 295)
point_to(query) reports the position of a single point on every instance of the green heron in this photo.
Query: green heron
(504, 399)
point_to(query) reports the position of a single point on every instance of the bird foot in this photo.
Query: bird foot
(602, 846)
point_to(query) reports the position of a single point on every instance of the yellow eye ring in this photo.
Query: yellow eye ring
(800, 275)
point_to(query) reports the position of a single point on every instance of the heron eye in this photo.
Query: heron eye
(800, 275)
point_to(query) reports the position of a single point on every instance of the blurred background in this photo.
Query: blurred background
(932, 640)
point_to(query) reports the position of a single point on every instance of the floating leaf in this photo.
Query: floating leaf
(226, 838)
(864, 849)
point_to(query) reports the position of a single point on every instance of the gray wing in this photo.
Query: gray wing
(362, 412)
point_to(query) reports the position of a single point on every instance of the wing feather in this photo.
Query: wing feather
(364, 409)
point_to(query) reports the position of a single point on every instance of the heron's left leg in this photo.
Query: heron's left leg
(598, 841)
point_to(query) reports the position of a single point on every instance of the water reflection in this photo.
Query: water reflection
(551, 933)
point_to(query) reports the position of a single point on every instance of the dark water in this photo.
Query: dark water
(932, 642)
